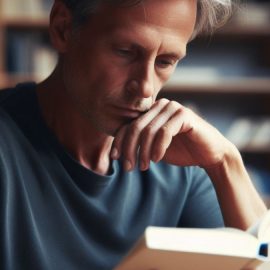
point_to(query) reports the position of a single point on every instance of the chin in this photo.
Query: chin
(111, 130)
(111, 126)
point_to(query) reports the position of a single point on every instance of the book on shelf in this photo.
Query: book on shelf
(241, 131)
(250, 133)
(26, 8)
(201, 249)
(29, 54)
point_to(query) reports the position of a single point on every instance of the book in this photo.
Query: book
(241, 131)
(26, 8)
(201, 249)
(30, 54)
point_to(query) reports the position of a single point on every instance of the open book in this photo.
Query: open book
(201, 249)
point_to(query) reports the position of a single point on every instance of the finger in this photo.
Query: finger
(149, 133)
(178, 123)
(116, 148)
(136, 126)
(130, 141)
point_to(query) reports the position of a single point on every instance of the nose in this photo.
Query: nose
(143, 82)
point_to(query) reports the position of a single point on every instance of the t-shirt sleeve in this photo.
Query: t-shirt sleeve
(201, 209)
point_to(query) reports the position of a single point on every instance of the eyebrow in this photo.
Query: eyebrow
(117, 36)
(175, 55)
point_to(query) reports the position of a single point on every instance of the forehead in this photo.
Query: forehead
(165, 19)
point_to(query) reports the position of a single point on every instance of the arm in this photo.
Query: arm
(240, 203)
(175, 134)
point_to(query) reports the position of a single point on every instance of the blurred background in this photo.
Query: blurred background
(225, 77)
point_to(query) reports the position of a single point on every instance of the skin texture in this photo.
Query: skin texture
(101, 100)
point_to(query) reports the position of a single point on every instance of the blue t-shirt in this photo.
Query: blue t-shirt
(56, 214)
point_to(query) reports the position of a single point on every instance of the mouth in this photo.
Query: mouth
(127, 112)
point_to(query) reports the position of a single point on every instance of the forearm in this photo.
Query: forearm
(240, 203)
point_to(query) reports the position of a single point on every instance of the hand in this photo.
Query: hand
(175, 134)
(172, 133)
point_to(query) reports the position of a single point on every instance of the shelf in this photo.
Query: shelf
(231, 86)
(239, 30)
(243, 86)
(11, 80)
(25, 22)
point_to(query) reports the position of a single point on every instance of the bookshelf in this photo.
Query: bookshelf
(225, 77)
(25, 51)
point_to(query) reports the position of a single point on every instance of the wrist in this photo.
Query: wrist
(229, 168)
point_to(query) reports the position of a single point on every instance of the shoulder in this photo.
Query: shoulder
(183, 178)
(5, 94)
(191, 190)
(192, 187)
(8, 132)
(6, 100)
(11, 97)
(188, 174)
(13, 104)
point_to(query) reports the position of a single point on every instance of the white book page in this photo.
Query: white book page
(264, 229)
(261, 229)
(211, 241)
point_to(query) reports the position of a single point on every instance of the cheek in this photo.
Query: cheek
(95, 73)
(114, 75)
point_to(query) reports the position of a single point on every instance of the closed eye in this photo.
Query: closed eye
(124, 52)
(164, 63)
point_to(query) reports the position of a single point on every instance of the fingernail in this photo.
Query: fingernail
(155, 158)
(114, 153)
(143, 166)
(127, 165)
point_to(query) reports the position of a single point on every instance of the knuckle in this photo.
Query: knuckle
(135, 127)
(163, 101)
(164, 132)
(175, 105)
(148, 131)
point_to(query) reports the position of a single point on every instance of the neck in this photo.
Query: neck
(74, 131)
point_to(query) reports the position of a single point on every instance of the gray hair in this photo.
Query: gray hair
(211, 14)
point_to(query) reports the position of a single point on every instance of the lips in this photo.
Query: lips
(127, 112)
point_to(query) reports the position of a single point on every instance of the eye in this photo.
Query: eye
(124, 52)
(165, 63)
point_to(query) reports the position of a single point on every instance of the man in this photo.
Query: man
(90, 156)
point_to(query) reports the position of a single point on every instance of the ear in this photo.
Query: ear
(60, 26)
